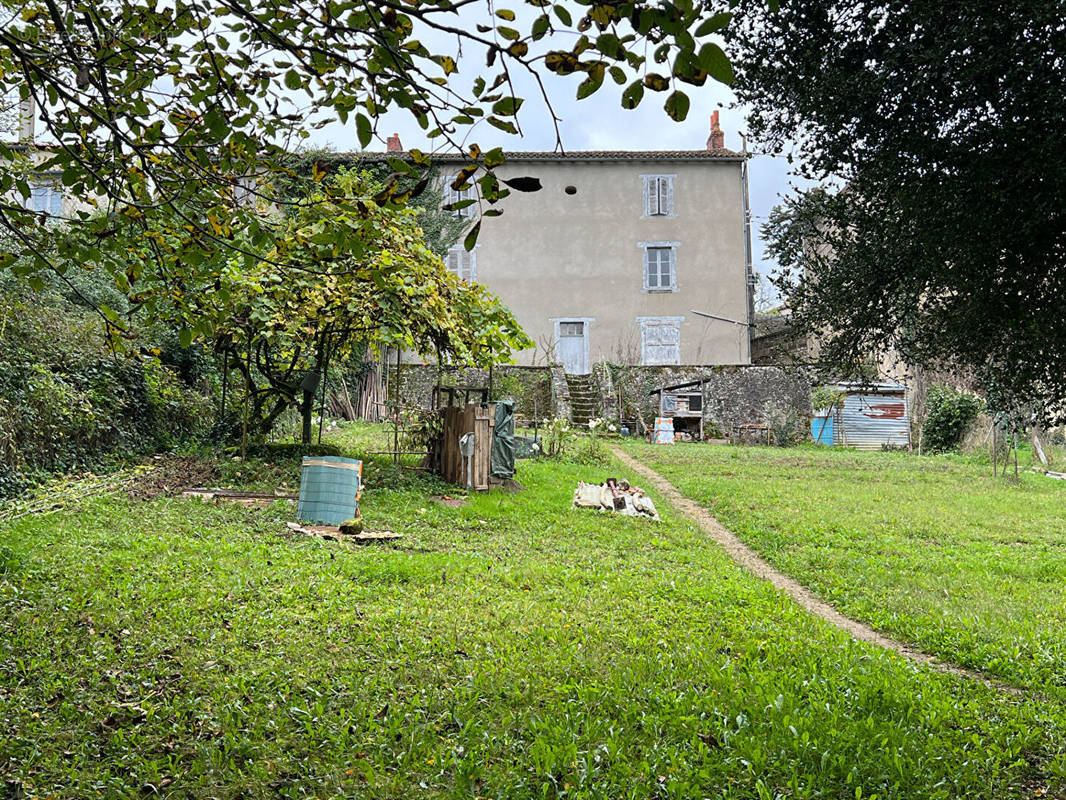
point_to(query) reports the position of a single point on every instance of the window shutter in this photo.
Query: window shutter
(647, 196)
(453, 262)
(469, 270)
(669, 202)
(662, 341)
(661, 195)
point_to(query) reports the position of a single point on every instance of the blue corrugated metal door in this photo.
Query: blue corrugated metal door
(822, 430)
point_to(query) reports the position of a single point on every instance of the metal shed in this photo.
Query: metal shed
(873, 415)
(682, 403)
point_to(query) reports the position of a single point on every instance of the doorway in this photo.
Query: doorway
(572, 345)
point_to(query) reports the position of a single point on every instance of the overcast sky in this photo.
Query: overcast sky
(600, 123)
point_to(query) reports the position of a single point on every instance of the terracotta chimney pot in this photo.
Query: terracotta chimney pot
(393, 144)
(716, 141)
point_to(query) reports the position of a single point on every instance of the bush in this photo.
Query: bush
(67, 402)
(949, 415)
(786, 427)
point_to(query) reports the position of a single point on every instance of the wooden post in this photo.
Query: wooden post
(1038, 447)
(247, 393)
(995, 451)
(322, 396)
(396, 414)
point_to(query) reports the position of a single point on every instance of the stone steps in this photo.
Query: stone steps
(584, 398)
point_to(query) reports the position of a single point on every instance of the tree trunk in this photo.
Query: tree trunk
(306, 406)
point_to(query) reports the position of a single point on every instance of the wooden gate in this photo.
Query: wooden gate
(473, 418)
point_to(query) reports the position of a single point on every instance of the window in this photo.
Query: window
(572, 329)
(46, 198)
(462, 262)
(660, 266)
(455, 195)
(658, 195)
(660, 340)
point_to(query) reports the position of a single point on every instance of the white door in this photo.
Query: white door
(572, 347)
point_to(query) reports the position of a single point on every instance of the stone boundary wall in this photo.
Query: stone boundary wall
(732, 395)
(529, 387)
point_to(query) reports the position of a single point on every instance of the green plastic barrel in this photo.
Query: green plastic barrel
(329, 489)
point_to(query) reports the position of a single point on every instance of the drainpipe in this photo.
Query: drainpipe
(749, 273)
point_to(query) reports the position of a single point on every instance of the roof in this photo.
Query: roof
(719, 154)
(857, 387)
(676, 387)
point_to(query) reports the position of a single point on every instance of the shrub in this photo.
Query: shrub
(949, 415)
(67, 402)
(786, 428)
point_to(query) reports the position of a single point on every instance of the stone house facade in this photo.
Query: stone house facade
(632, 257)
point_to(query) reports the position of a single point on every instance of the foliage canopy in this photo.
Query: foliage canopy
(943, 120)
(164, 112)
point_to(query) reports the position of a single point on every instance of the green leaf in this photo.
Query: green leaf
(507, 106)
(609, 45)
(502, 124)
(471, 236)
(633, 94)
(588, 87)
(185, 337)
(656, 82)
(715, 23)
(676, 106)
(713, 59)
(563, 15)
(293, 80)
(363, 130)
(505, 13)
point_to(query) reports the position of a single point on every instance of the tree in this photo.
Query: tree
(168, 113)
(366, 279)
(943, 121)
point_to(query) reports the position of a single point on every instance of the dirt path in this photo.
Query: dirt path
(750, 560)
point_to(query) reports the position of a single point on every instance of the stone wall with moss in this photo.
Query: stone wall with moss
(732, 395)
(528, 387)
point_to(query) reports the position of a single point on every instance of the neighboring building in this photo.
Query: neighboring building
(634, 257)
(17, 118)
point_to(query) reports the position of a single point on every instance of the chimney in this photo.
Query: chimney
(716, 141)
(394, 145)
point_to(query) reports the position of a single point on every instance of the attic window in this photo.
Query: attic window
(658, 195)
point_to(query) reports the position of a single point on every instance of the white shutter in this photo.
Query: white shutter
(662, 341)
(454, 262)
(669, 202)
(661, 187)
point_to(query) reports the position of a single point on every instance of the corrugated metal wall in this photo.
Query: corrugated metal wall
(869, 420)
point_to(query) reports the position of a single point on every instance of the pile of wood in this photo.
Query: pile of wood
(615, 496)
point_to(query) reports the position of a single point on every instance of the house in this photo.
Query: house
(17, 129)
(635, 257)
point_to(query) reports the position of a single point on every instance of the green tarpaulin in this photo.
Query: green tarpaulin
(503, 444)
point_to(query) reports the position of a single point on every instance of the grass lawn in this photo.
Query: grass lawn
(933, 550)
(511, 648)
